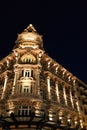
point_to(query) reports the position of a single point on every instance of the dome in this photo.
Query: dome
(29, 37)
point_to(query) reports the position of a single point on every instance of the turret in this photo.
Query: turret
(29, 38)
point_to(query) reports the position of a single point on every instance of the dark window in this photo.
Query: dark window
(22, 73)
(26, 89)
(31, 88)
(31, 73)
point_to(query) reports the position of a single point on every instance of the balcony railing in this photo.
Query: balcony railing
(25, 95)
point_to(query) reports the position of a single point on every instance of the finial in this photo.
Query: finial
(30, 28)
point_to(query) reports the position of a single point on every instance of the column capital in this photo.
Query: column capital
(56, 81)
(7, 62)
(5, 75)
(38, 70)
(48, 76)
(15, 69)
(48, 63)
(74, 80)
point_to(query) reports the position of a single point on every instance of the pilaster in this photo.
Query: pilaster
(15, 81)
(71, 98)
(38, 81)
(48, 87)
(4, 88)
(65, 97)
(57, 91)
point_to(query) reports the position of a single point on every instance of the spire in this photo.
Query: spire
(30, 28)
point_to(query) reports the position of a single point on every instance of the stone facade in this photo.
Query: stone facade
(32, 82)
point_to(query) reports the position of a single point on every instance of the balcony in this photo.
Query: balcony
(32, 121)
(24, 96)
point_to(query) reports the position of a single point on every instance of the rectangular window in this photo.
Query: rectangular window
(26, 73)
(24, 110)
(26, 89)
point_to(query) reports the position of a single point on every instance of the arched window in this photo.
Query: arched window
(28, 58)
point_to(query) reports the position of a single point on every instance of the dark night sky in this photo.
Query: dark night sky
(62, 24)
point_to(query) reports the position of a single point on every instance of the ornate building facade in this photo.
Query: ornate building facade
(36, 92)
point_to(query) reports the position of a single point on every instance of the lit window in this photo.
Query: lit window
(28, 89)
(27, 73)
(28, 58)
(24, 110)
(52, 116)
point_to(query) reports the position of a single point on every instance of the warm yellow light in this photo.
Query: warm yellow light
(49, 64)
(50, 117)
(48, 82)
(75, 122)
(29, 38)
(60, 117)
(81, 123)
(65, 95)
(37, 111)
(7, 62)
(68, 120)
(56, 69)
(10, 112)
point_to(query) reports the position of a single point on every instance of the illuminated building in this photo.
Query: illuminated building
(36, 92)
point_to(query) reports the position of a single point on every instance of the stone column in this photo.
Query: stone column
(65, 97)
(75, 85)
(57, 91)
(15, 82)
(4, 88)
(38, 81)
(71, 98)
(77, 100)
(16, 56)
(39, 57)
(48, 87)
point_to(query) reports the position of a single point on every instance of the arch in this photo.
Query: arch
(28, 58)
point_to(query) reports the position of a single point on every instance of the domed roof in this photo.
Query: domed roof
(29, 35)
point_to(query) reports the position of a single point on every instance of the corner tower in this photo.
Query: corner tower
(27, 67)
(29, 38)
(36, 92)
